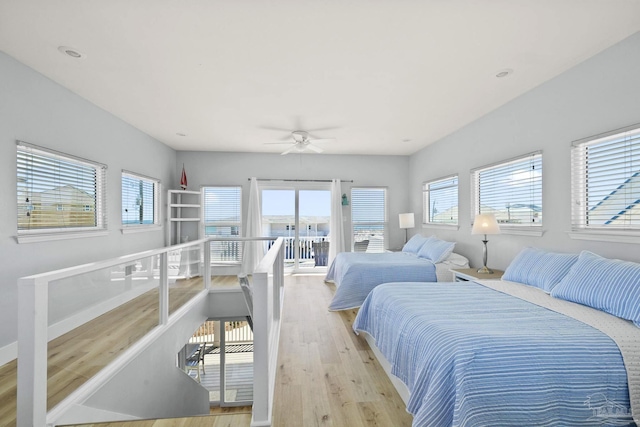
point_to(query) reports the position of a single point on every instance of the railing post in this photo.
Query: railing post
(33, 306)
(164, 290)
(261, 408)
(206, 274)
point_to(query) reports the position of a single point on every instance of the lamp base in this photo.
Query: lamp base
(485, 270)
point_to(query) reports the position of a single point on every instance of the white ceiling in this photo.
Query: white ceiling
(386, 76)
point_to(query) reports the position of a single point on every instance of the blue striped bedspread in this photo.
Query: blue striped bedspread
(472, 356)
(356, 274)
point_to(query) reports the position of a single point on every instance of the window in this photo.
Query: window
(140, 200)
(223, 218)
(369, 218)
(606, 181)
(512, 190)
(59, 196)
(440, 198)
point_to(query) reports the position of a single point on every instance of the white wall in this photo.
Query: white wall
(207, 168)
(599, 95)
(37, 110)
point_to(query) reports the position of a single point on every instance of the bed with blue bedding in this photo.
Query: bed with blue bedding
(471, 355)
(422, 259)
(355, 274)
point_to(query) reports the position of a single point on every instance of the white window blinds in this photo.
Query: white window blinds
(369, 218)
(511, 190)
(140, 200)
(606, 181)
(223, 217)
(58, 193)
(440, 198)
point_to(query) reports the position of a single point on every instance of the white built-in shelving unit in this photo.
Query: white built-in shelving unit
(182, 206)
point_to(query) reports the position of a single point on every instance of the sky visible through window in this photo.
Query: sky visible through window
(282, 202)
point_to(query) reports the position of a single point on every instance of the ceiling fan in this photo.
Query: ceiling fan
(302, 142)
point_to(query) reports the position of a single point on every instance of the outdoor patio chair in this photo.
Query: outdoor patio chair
(361, 246)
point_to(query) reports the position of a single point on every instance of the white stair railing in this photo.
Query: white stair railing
(268, 294)
(34, 331)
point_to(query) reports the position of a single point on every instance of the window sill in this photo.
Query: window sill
(626, 237)
(441, 226)
(140, 229)
(525, 231)
(44, 237)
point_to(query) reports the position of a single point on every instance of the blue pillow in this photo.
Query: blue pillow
(542, 269)
(608, 285)
(414, 244)
(436, 250)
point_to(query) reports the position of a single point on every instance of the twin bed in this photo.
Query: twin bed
(355, 274)
(555, 343)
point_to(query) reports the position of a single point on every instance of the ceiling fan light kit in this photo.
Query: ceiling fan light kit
(302, 142)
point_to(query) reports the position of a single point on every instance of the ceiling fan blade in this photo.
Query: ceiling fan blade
(321, 140)
(283, 142)
(314, 148)
(287, 151)
(288, 131)
(324, 129)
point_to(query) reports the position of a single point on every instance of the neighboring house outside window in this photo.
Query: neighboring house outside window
(440, 201)
(512, 191)
(59, 196)
(140, 200)
(222, 207)
(606, 182)
(369, 219)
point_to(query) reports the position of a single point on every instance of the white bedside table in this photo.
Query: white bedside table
(471, 274)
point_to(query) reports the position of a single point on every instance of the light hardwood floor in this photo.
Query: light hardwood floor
(327, 375)
(76, 356)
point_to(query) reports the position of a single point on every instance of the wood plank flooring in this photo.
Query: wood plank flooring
(76, 356)
(327, 376)
(231, 420)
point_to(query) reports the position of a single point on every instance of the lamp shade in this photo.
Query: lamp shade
(406, 220)
(485, 224)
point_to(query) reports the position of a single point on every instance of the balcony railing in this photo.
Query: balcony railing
(304, 249)
(237, 333)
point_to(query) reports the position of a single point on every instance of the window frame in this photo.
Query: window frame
(238, 224)
(100, 227)
(157, 191)
(426, 202)
(385, 223)
(527, 229)
(580, 229)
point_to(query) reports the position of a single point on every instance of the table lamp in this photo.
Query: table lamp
(485, 224)
(406, 221)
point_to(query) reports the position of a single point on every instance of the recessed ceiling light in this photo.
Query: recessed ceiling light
(504, 73)
(181, 134)
(71, 52)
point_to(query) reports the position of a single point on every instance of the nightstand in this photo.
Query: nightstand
(471, 274)
(394, 250)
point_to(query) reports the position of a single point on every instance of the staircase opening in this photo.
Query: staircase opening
(219, 355)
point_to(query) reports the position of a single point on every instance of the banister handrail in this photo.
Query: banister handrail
(112, 262)
(33, 334)
(268, 292)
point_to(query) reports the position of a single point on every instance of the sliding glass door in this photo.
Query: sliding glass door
(301, 214)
